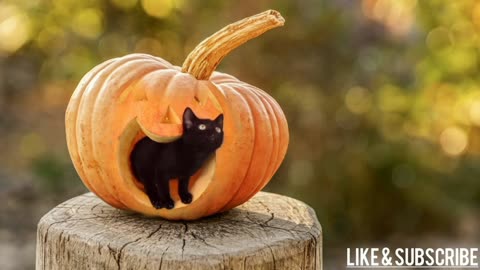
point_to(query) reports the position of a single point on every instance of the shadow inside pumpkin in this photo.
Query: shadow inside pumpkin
(191, 156)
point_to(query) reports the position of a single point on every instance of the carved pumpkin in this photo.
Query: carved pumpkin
(124, 99)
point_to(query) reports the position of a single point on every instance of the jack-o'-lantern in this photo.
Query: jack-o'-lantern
(122, 100)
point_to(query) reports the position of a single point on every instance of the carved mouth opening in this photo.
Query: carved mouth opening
(134, 132)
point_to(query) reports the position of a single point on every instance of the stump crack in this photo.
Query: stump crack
(273, 255)
(265, 233)
(155, 231)
(265, 206)
(184, 241)
(161, 258)
(183, 246)
(270, 219)
(120, 251)
(95, 206)
(291, 231)
(198, 237)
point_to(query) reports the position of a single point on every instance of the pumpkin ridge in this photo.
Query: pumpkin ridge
(102, 115)
(170, 73)
(83, 142)
(255, 173)
(276, 109)
(245, 172)
(123, 96)
(285, 123)
(71, 119)
(222, 78)
(278, 154)
(126, 87)
(283, 131)
(84, 111)
(272, 167)
(273, 121)
(146, 56)
(171, 85)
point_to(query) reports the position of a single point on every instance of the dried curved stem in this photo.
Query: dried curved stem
(204, 59)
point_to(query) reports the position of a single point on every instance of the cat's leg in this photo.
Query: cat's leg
(185, 195)
(163, 189)
(158, 191)
(151, 189)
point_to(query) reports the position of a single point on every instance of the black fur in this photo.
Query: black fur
(155, 164)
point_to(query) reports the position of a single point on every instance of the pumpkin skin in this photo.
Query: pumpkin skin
(124, 99)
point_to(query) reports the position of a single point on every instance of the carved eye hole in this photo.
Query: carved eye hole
(202, 127)
(218, 130)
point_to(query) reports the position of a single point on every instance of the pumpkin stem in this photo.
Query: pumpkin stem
(204, 59)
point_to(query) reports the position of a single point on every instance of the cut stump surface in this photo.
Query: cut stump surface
(268, 232)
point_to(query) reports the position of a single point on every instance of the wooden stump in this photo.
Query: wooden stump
(268, 232)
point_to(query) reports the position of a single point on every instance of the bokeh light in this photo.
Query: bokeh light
(439, 38)
(453, 141)
(397, 16)
(358, 100)
(88, 23)
(15, 28)
(474, 112)
(158, 8)
(476, 14)
(51, 39)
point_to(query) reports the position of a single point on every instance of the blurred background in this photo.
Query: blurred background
(382, 99)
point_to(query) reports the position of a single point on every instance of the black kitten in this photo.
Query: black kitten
(154, 164)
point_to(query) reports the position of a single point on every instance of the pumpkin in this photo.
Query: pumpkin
(124, 99)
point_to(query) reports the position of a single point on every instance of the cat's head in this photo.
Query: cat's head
(202, 133)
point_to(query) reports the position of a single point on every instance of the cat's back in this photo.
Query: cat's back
(147, 152)
(144, 153)
(142, 148)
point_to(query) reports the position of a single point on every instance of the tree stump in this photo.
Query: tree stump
(268, 232)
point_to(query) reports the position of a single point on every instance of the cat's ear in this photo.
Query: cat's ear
(219, 120)
(188, 117)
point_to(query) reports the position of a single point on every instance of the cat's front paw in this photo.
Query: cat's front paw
(169, 204)
(158, 204)
(186, 198)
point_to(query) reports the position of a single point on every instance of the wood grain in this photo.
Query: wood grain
(268, 232)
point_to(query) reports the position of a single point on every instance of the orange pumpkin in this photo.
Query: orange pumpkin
(124, 99)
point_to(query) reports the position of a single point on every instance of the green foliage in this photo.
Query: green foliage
(55, 175)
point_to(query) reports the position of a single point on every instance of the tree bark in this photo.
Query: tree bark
(268, 232)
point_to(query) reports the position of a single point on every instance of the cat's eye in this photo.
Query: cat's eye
(202, 127)
(218, 130)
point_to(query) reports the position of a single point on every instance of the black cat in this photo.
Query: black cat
(155, 164)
